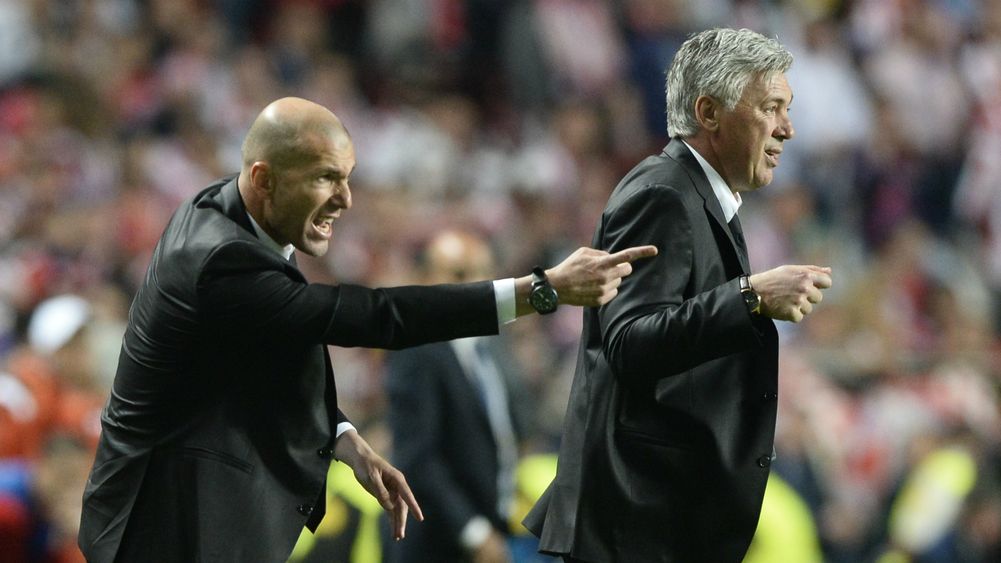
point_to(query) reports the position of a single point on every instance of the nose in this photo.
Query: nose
(784, 130)
(342, 196)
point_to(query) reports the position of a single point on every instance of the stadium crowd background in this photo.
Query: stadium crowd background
(516, 119)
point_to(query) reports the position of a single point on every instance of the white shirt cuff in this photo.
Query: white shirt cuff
(504, 295)
(342, 427)
(475, 532)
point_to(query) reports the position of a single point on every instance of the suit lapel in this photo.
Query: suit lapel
(677, 151)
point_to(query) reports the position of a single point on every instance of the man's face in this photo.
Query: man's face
(307, 198)
(458, 258)
(750, 137)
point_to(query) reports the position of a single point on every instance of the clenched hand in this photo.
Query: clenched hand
(788, 293)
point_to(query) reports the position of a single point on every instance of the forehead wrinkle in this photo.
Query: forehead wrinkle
(775, 90)
(325, 148)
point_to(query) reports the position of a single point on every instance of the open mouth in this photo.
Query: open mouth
(772, 155)
(324, 227)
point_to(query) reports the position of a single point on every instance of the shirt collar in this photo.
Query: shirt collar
(269, 242)
(730, 201)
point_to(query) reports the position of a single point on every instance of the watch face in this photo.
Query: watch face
(543, 299)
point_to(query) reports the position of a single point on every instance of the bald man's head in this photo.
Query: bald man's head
(297, 160)
(456, 256)
(287, 133)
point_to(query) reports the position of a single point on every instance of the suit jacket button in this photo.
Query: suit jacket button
(764, 461)
(325, 453)
(305, 509)
(770, 396)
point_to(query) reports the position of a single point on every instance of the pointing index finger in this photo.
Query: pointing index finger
(631, 254)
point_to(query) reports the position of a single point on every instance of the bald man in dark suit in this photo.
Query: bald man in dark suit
(223, 417)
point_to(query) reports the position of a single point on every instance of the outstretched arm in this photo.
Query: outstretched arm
(588, 277)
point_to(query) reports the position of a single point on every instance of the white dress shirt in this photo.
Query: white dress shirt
(728, 199)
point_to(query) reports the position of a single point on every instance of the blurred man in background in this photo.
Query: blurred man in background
(456, 416)
(669, 433)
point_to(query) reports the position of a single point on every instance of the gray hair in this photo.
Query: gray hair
(718, 63)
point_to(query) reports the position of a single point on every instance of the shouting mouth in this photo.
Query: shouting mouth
(324, 227)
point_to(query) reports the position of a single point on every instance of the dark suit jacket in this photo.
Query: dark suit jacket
(670, 424)
(443, 442)
(218, 433)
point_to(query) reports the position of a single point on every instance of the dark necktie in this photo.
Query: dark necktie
(738, 236)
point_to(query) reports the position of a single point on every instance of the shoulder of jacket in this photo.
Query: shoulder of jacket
(656, 173)
(239, 252)
(195, 232)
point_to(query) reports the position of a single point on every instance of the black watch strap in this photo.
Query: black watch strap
(751, 297)
(539, 276)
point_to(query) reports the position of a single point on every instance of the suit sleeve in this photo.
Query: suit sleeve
(248, 294)
(416, 400)
(655, 327)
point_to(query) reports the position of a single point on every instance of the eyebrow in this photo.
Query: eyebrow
(326, 169)
(779, 99)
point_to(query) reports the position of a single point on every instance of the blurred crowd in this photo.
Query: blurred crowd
(515, 119)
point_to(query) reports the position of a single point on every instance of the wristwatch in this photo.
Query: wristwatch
(751, 298)
(543, 297)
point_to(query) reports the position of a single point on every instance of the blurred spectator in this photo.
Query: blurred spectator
(786, 530)
(934, 121)
(583, 68)
(833, 115)
(53, 384)
(925, 515)
(40, 504)
(456, 414)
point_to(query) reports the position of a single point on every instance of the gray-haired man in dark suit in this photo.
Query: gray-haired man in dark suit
(669, 432)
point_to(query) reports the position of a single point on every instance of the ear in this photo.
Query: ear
(707, 112)
(261, 178)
